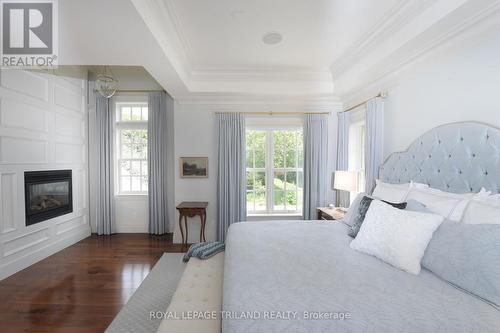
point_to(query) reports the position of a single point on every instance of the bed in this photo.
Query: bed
(303, 276)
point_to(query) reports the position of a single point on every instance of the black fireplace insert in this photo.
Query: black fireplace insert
(47, 194)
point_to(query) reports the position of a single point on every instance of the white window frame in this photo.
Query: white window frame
(120, 125)
(356, 154)
(269, 170)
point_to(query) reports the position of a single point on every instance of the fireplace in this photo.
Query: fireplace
(47, 194)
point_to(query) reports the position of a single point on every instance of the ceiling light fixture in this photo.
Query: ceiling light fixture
(272, 38)
(106, 84)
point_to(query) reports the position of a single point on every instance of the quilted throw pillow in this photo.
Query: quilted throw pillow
(359, 216)
(468, 256)
(398, 237)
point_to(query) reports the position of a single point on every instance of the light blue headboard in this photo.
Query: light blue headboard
(458, 157)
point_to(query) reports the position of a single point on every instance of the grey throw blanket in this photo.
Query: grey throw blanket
(203, 250)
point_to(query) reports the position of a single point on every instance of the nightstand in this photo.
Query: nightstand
(327, 213)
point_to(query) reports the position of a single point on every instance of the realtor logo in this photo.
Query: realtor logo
(29, 33)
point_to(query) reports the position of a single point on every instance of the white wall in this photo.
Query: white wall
(43, 126)
(196, 135)
(131, 210)
(460, 81)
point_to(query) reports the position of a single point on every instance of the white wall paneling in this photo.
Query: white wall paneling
(42, 127)
(22, 151)
(25, 241)
(26, 83)
(18, 114)
(8, 195)
(69, 96)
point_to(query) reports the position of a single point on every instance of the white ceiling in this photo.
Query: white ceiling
(111, 32)
(227, 34)
(203, 49)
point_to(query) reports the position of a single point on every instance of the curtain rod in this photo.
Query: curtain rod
(140, 90)
(135, 90)
(273, 113)
(382, 94)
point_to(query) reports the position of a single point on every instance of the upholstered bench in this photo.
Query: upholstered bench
(197, 302)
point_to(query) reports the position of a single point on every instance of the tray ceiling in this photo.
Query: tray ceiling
(227, 34)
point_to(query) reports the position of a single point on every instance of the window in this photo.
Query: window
(132, 148)
(274, 171)
(357, 152)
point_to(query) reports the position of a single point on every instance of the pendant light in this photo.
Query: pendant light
(106, 84)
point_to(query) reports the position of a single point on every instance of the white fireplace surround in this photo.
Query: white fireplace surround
(43, 126)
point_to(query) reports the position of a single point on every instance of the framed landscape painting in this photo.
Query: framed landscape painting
(194, 167)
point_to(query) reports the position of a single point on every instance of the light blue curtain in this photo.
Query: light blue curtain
(158, 166)
(231, 180)
(374, 141)
(105, 196)
(315, 163)
(344, 120)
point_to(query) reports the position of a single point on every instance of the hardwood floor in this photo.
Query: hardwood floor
(81, 288)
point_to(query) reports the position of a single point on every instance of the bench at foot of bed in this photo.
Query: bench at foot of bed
(197, 301)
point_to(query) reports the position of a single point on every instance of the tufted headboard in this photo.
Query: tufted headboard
(457, 157)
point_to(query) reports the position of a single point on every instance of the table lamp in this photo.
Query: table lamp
(345, 181)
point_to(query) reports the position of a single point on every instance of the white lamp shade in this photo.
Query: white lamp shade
(346, 181)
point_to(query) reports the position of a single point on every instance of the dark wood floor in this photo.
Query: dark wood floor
(81, 288)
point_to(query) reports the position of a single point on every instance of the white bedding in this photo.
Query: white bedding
(306, 267)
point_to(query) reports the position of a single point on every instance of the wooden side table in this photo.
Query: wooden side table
(191, 209)
(332, 214)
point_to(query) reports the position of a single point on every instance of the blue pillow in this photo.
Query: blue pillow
(417, 206)
(353, 210)
(468, 256)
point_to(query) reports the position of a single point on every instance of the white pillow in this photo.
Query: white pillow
(482, 212)
(488, 198)
(448, 205)
(396, 236)
(452, 209)
(395, 193)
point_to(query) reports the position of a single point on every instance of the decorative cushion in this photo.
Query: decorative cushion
(442, 206)
(363, 207)
(353, 209)
(488, 198)
(391, 192)
(468, 257)
(448, 206)
(396, 236)
(417, 206)
(481, 212)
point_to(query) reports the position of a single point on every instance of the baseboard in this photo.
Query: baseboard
(34, 257)
(131, 229)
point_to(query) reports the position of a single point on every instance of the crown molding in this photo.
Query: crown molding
(435, 37)
(396, 18)
(153, 13)
(187, 48)
(163, 21)
(255, 74)
(230, 100)
(472, 18)
(239, 72)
